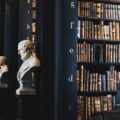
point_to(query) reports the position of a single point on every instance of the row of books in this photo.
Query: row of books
(90, 29)
(33, 27)
(33, 14)
(95, 117)
(87, 81)
(33, 2)
(89, 106)
(101, 10)
(95, 52)
(33, 20)
(33, 38)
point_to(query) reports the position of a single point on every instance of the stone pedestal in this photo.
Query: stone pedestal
(28, 107)
(7, 104)
(3, 85)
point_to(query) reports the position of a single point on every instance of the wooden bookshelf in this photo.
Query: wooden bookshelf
(97, 19)
(100, 41)
(33, 5)
(104, 1)
(98, 58)
(97, 64)
(96, 93)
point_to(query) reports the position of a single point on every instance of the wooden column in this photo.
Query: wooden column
(66, 96)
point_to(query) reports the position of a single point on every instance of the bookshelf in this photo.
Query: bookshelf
(98, 59)
(27, 19)
(33, 20)
(67, 93)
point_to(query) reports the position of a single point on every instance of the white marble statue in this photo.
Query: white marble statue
(3, 72)
(27, 72)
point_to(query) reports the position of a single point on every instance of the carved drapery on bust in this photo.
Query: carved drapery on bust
(3, 72)
(29, 69)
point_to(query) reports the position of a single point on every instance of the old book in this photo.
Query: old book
(33, 14)
(33, 3)
(104, 103)
(98, 10)
(109, 102)
(97, 104)
(113, 30)
(78, 10)
(117, 35)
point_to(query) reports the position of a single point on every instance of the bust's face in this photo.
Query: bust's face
(23, 53)
(25, 49)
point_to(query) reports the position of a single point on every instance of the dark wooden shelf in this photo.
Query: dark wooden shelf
(111, 115)
(101, 41)
(96, 93)
(106, 112)
(97, 64)
(33, 20)
(33, 8)
(33, 33)
(103, 1)
(96, 18)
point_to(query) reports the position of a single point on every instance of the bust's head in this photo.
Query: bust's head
(2, 60)
(26, 48)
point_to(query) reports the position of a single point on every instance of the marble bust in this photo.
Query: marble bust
(29, 69)
(3, 72)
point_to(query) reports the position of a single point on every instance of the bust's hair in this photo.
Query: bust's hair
(27, 45)
(3, 58)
